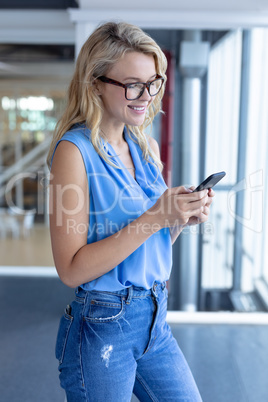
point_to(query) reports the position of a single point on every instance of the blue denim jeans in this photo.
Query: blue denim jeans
(111, 344)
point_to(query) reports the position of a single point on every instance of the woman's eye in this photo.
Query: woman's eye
(134, 86)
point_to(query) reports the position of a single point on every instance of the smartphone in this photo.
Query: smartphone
(210, 181)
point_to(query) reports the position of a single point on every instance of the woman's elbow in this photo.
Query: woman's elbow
(67, 279)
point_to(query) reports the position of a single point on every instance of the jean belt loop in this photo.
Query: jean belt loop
(130, 295)
(80, 293)
(154, 289)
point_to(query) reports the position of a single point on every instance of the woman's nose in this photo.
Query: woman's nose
(146, 95)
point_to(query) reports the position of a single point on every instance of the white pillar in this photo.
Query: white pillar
(83, 28)
(193, 64)
(82, 32)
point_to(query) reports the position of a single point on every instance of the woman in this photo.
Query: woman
(113, 222)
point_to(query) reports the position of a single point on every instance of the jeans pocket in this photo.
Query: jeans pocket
(62, 337)
(103, 310)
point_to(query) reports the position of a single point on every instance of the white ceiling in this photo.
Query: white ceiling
(184, 5)
(64, 26)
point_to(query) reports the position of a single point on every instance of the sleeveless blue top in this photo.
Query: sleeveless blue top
(116, 200)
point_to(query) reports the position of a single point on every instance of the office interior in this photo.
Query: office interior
(215, 119)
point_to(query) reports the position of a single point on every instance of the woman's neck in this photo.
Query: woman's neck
(115, 137)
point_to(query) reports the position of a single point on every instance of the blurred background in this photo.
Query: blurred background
(215, 119)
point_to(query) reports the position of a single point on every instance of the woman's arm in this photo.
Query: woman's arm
(78, 262)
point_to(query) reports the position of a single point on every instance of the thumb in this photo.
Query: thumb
(183, 190)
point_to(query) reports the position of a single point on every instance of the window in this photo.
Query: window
(255, 236)
(224, 75)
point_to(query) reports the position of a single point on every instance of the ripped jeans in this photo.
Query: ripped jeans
(111, 344)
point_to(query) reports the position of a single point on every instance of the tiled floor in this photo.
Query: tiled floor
(34, 250)
(229, 362)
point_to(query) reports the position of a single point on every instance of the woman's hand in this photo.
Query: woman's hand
(206, 209)
(180, 206)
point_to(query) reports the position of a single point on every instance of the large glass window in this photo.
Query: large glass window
(255, 237)
(26, 122)
(224, 75)
(223, 116)
(29, 109)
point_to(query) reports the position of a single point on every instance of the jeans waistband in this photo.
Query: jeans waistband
(129, 293)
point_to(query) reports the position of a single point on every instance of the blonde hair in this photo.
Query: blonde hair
(105, 46)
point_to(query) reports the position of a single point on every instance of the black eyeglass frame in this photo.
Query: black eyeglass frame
(126, 86)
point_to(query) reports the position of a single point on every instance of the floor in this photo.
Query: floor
(32, 250)
(229, 362)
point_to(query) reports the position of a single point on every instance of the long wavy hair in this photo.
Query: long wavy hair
(104, 47)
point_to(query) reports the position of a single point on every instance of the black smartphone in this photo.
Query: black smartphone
(210, 181)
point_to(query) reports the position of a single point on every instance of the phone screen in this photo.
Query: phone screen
(210, 181)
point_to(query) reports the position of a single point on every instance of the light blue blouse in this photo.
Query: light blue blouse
(116, 200)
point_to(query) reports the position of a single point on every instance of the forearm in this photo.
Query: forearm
(96, 259)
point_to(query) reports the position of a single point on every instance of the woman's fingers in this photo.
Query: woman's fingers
(211, 193)
(206, 210)
(178, 205)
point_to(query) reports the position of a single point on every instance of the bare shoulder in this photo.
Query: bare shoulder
(67, 161)
(66, 153)
(154, 145)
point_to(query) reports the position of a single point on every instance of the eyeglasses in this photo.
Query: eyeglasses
(135, 90)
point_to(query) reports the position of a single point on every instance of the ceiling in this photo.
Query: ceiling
(189, 5)
(37, 4)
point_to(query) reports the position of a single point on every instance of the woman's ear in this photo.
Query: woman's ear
(97, 88)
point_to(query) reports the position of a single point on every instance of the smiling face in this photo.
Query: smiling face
(118, 111)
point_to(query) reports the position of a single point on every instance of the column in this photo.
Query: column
(193, 65)
(83, 26)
